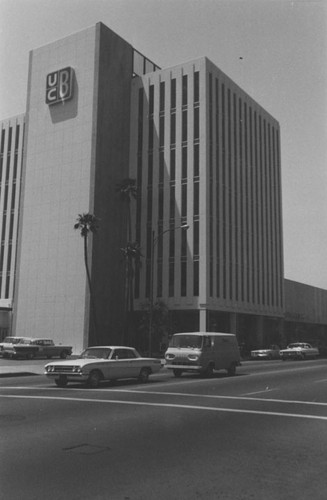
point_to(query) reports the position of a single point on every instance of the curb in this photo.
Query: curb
(18, 374)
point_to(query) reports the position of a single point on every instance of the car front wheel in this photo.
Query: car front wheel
(94, 379)
(144, 375)
(61, 381)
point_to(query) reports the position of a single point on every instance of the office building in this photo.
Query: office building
(202, 152)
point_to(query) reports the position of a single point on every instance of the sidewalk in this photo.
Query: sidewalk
(17, 368)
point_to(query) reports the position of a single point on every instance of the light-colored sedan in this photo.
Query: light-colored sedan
(271, 353)
(8, 344)
(102, 363)
(299, 350)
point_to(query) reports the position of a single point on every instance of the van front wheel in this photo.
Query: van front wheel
(177, 373)
(231, 372)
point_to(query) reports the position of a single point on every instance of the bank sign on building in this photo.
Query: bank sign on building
(203, 154)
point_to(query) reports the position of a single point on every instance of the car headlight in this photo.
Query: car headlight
(50, 369)
(193, 357)
(77, 369)
(170, 356)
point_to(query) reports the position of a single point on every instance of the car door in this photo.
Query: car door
(122, 364)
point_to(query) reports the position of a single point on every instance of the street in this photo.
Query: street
(259, 435)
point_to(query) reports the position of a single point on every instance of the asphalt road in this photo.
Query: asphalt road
(260, 435)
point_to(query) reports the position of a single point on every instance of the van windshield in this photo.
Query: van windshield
(191, 341)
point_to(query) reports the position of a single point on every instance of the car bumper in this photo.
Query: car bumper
(70, 377)
(292, 356)
(185, 368)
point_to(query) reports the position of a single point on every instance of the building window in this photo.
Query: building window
(184, 201)
(161, 131)
(196, 195)
(183, 278)
(196, 161)
(162, 97)
(171, 278)
(172, 202)
(184, 125)
(173, 93)
(151, 133)
(184, 162)
(9, 140)
(151, 99)
(196, 278)
(196, 238)
(196, 87)
(160, 203)
(184, 91)
(173, 128)
(172, 164)
(196, 124)
(17, 138)
(150, 168)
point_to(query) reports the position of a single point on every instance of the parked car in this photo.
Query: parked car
(38, 348)
(299, 350)
(6, 346)
(100, 363)
(272, 352)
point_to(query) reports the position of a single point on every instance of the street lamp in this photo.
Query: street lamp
(154, 241)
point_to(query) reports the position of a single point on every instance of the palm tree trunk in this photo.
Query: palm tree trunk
(91, 291)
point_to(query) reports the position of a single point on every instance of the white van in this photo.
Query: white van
(202, 352)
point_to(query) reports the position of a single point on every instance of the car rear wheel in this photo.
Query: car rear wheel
(94, 379)
(177, 373)
(61, 381)
(144, 375)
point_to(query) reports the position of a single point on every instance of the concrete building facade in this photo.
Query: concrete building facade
(76, 151)
(205, 154)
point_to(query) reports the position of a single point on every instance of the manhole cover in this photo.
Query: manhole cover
(86, 449)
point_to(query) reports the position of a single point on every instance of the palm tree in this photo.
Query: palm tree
(132, 255)
(88, 223)
(128, 190)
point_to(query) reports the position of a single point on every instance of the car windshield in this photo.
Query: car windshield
(12, 340)
(24, 341)
(192, 341)
(96, 352)
(297, 344)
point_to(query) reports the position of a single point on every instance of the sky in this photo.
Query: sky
(276, 50)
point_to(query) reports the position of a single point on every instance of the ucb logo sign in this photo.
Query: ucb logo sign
(59, 86)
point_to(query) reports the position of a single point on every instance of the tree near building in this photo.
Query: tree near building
(162, 326)
(132, 257)
(127, 190)
(88, 223)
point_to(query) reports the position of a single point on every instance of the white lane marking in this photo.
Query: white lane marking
(161, 393)
(318, 381)
(166, 405)
(210, 396)
(258, 392)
